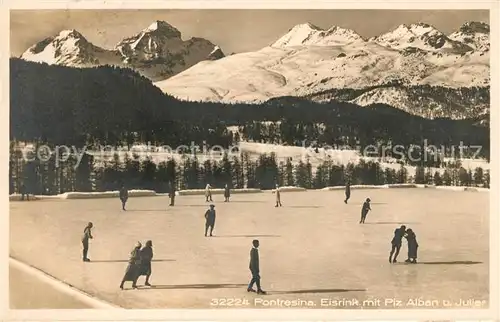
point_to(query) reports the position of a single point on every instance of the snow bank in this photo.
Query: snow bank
(409, 185)
(193, 192)
(106, 194)
(356, 187)
(402, 185)
(290, 189)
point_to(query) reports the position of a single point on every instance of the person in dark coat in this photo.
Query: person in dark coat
(396, 242)
(411, 238)
(347, 191)
(210, 220)
(171, 194)
(133, 268)
(255, 268)
(123, 196)
(364, 210)
(87, 234)
(278, 196)
(146, 258)
(227, 193)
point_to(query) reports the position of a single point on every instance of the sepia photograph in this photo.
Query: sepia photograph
(333, 159)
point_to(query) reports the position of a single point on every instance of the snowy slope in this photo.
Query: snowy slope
(298, 71)
(308, 60)
(157, 52)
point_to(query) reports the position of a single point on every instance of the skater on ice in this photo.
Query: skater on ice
(87, 234)
(396, 243)
(210, 220)
(364, 211)
(255, 268)
(123, 196)
(171, 194)
(411, 238)
(134, 266)
(227, 193)
(208, 193)
(347, 191)
(146, 258)
(278, 196)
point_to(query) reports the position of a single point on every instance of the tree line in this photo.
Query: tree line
(49, 177)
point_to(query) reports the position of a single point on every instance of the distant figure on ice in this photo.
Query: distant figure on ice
(146, 258)
(364, 210)
(278, 196)
(123, 196)
(87, 234)
(411, 238)
(133, 268)
(347, 191)
(255, 268)
(24, 192)
(210, 220)
(208, 193)
(171, 194)
(396, 242)
(227, 193)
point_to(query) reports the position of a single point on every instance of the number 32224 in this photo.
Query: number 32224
(229, 302)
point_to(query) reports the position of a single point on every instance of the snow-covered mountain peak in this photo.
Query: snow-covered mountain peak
(422, 36)
(163, 28)
(70, 33)
(69, 48)
(471, 27)
(475, 34)
(308, 34)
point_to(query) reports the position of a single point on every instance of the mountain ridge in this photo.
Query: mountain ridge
(157, 52)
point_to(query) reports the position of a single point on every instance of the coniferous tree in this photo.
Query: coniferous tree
(478, 176)
(487, 179)
(402, 175)
(438, 180)
(289, 174)
(447, 179)
(238, 178)
(419, 175)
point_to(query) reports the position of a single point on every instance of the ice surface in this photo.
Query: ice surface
(311, 249)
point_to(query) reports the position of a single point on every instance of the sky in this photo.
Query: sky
(233, 30)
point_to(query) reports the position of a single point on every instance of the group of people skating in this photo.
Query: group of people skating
(399, 233)
(140, 258)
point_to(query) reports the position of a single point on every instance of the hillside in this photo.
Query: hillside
(110, 105)
(309, 61)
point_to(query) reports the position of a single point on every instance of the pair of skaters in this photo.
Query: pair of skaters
(139, 264)
(208, 193)
(396, 243)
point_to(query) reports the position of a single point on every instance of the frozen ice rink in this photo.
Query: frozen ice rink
(313, 251)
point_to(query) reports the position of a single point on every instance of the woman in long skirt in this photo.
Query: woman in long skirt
(134, 265)
(146, 258)
(411, 238)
